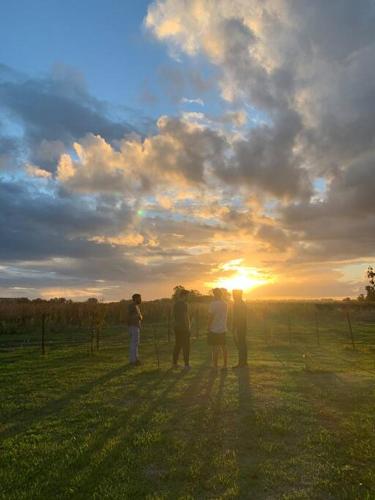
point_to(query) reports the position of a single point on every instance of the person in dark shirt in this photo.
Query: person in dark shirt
(181, 329)
(240, 327)
(134, 327)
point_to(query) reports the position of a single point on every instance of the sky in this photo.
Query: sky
(202, 143)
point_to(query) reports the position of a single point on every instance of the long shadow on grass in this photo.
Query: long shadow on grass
(57, 405)
(195, 439)
(247, 461)
(102, 456)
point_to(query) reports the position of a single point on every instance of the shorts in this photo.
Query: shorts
(216, 338)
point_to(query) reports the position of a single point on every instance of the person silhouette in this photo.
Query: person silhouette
(240, 327)
(134, 327)
(181, 322)
(217, 327)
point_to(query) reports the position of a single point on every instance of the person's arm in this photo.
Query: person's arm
(138, 312)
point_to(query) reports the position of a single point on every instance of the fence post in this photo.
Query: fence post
(43, 334)
(156, 345)
(289, 330)
(265, 326)
(317, 327)
(97, 338)
(350, 327)
(91, 333)
(197, 323)
(169, 325)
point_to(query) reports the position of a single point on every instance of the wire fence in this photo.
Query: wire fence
(299, 325)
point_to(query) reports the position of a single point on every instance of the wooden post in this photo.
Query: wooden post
(43, 334)
(350, 327)
(156, 347)
(317, 328)
(289, 330)
(197, 323)
(91, 330)
(265, 327)
(97, 338)
(169, 325)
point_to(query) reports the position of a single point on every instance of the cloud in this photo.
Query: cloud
(55, 110)
(49, 112)
(178, 154)
(34, 171)
(295, 63)
(198, 101)
(100, 205)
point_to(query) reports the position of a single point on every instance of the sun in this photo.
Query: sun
(243, 278)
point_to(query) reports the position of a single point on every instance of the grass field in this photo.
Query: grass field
(299, 423)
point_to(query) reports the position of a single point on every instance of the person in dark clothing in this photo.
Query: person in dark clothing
(134, 327)
(181, 322)
(240, 327)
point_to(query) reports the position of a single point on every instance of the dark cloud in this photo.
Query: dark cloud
(9, 150)
(180, 79)
(341, 226)
(38, 225)
(56, 110)
(275, 237)
(267, 160)
(48, 113)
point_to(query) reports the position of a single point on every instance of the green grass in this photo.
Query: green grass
(298, 424)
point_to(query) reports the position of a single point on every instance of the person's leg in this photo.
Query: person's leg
(177, 347)
(225, 355)
(130, 345)
(186, 347)
(137, 340)
(133, 344)
(242, 349)
(215, 355)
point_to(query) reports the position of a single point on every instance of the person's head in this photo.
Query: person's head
(136, 297)
(218, 293)
(183, 295)
(237, 295)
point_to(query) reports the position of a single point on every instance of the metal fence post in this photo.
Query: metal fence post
(317, 328)
(350, 328)
(43, 334)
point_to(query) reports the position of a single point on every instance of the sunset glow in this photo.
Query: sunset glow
(240, 277)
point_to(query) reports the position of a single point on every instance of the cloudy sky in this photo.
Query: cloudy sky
(196, 142)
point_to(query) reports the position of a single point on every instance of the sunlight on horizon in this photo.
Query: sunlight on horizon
(243, 277)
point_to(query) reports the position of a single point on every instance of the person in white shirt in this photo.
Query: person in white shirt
(217, 327)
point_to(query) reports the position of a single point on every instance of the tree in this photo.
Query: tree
(177, 290)
(92, 300)
(193, 294)
(370, 288)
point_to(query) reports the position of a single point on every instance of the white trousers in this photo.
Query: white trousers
(134, 333)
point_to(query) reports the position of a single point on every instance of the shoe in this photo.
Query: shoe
(187, 368)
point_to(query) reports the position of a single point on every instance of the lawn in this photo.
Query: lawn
(298, 423)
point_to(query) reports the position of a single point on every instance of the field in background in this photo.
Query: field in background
(92, 326)
(79, 423)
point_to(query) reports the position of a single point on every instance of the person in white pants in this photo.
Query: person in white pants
(134, 328)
